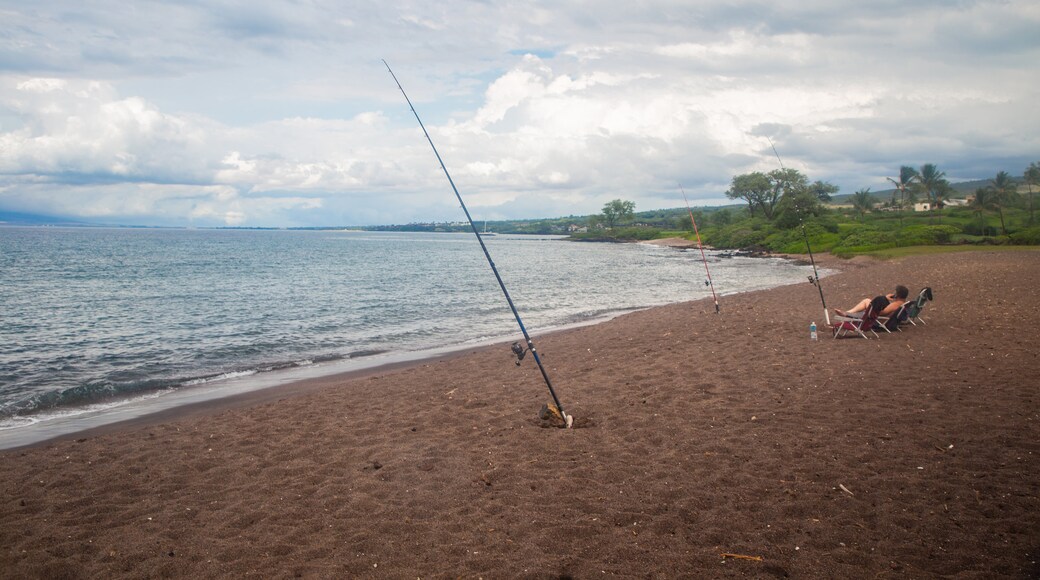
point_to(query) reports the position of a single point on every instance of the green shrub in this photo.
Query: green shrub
(747, 233)
(617, 235)
(866, 236)
(745, 238)
(972, 239)
(1030, 237)
(827, 223)
(974, 229)
(921, 235)
(793, 241)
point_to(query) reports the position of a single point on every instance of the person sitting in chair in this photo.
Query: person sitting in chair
(895, 301)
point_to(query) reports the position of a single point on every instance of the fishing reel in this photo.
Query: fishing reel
(707, 282)
(814, 281)
(519, 351)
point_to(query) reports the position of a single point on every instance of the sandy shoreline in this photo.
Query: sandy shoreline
(910, 456)
(250, 390)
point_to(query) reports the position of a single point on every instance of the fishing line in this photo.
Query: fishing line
(815, 278)
(516, 348)
(708, 282)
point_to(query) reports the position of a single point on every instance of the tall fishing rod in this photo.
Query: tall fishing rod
(775, 153)
(815, 278)
(517, 349)
(708, 282)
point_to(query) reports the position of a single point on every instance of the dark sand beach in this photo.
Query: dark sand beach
(705, 446)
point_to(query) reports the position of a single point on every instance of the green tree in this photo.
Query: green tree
(798, 199)
(1032, 178)
(823, 190)
(617, 211)
(796, 206)
(751, 187)
(863, 201)
(785, 182)
(1004, 193)
(934, 185)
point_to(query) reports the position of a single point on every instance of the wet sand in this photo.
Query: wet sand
(696, 436)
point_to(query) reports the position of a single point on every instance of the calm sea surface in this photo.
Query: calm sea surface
(97, 316)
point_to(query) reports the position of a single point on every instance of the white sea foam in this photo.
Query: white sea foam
(67, 413)
(220, 377)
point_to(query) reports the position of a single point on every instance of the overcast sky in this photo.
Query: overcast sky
(278, 113)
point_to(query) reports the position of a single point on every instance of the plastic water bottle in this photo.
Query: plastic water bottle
(812, 331)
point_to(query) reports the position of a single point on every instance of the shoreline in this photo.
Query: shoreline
(696, 436)
(222, 394)
(258, 387)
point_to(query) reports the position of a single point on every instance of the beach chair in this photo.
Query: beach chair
(893, 321)
(853, 326)
(914, 308)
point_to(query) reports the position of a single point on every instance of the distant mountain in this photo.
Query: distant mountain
(10, 218)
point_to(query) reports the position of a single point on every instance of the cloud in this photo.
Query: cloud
(81, 131)
(285, 115)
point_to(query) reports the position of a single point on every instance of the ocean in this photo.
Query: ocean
(97, 321)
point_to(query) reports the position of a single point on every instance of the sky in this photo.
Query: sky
(282, 113)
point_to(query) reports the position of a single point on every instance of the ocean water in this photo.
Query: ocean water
(98, 317)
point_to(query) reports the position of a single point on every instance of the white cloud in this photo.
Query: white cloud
(83, 128)
(286, 116)
(744, 46)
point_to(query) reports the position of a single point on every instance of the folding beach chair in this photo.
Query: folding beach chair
(914, 308)
(849, 325)
(892, 322)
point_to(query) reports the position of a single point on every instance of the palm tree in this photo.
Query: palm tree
(862, 201)
(907, 175)
(982, 203)
(1032, 177)
(936, 188)
(1004, 192)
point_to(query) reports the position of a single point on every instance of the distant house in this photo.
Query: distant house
(576, 229)
(927, 206)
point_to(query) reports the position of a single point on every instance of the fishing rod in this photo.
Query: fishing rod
(775, 153)
(518, 350)
(815, 278)
(708, 282)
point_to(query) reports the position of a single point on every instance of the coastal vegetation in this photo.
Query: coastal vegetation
(782, 208)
